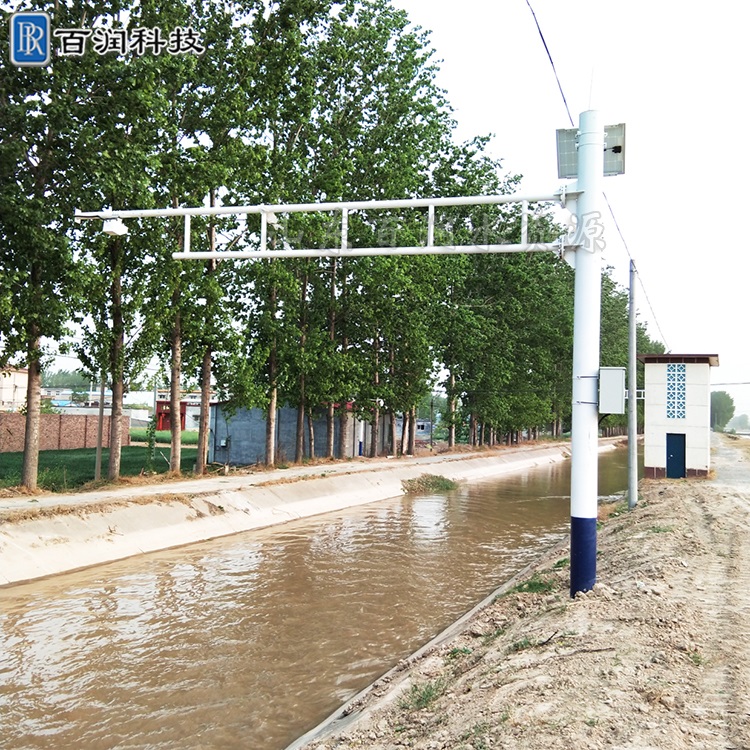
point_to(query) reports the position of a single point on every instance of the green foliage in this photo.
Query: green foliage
(537, 584)
(521, 645)
(697, 658)
(45, 407)
(73, 379)
(722, 410)
(422, 694)
(149, 433)
(740, 422)
(302, 101)
(428, 484)
(62, 471)
(150, 442)
(457, 652)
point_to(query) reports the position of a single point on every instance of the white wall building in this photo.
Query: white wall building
(13, 386)
(677, 435)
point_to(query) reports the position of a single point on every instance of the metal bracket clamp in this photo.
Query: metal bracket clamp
(587, 377)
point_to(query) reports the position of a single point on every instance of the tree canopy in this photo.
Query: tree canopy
(722, 410)
(281, 101)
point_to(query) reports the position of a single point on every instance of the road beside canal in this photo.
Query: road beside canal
(657, 656)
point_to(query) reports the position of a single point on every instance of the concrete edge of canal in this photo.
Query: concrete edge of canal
(356, 708)
(70, 535)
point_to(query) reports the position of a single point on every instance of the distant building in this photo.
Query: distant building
(13, 385)
(239, 437)
(423, 432)
(190, 410)
(678, 414)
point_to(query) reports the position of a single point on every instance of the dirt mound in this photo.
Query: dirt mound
(656, 656)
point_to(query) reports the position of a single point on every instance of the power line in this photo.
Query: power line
(640, 280)
(614, 218)
(552, 63)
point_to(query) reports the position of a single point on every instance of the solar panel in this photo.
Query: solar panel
(614, 151)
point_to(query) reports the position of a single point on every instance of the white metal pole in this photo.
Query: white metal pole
(282, 208)
(186, 235)
(586, 331)
(362, 252)
(632, 397)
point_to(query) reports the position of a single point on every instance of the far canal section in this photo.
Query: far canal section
(251, 640)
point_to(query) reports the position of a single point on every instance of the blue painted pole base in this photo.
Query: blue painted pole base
(582, 554)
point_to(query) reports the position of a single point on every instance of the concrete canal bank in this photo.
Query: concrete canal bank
(49, 534)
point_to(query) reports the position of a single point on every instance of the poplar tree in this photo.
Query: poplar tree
(40, 182)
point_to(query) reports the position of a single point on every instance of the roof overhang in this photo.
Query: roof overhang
(683, 359)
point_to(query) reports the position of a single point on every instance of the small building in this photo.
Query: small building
(164, 415)
(677, 431)
(190, 410)
(13, 386)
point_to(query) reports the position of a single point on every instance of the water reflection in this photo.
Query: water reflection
(248, 641)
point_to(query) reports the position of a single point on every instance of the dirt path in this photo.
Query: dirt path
(657, 656)
(243, 478)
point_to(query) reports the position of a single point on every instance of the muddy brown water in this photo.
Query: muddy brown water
(249, 641)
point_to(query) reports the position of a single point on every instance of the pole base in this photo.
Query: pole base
(582, 554)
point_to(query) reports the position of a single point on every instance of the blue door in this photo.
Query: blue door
(675, 456)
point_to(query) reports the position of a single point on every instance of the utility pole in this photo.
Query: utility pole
(586, 323)
(632, 397)
(585, 250)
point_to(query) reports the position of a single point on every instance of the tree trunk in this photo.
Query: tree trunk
(272, 394)
(412, 431)
(452, 411)
(30, 468)
(205, 413)
(393, 444)
(204, 428)
(116, 363)
(375, 431)
(271, 420)
(343, 427)
(374, 445)
(175, 394)
(330, 430)
(344, 416)
(311, 433)
(299, 452)
(299, 445)
(404, 431)
(330, 413)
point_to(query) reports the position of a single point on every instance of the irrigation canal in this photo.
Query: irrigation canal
(249, 641)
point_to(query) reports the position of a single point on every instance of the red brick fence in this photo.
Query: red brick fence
(58, 431)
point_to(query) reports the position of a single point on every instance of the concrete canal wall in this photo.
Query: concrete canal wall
(50, 535)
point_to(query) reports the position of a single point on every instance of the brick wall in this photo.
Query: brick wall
(58, 431)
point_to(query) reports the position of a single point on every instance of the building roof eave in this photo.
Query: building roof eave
(691, 359)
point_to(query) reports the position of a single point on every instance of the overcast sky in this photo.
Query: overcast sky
(675, 74)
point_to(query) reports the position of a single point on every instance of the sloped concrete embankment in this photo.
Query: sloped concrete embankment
(49, 540)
